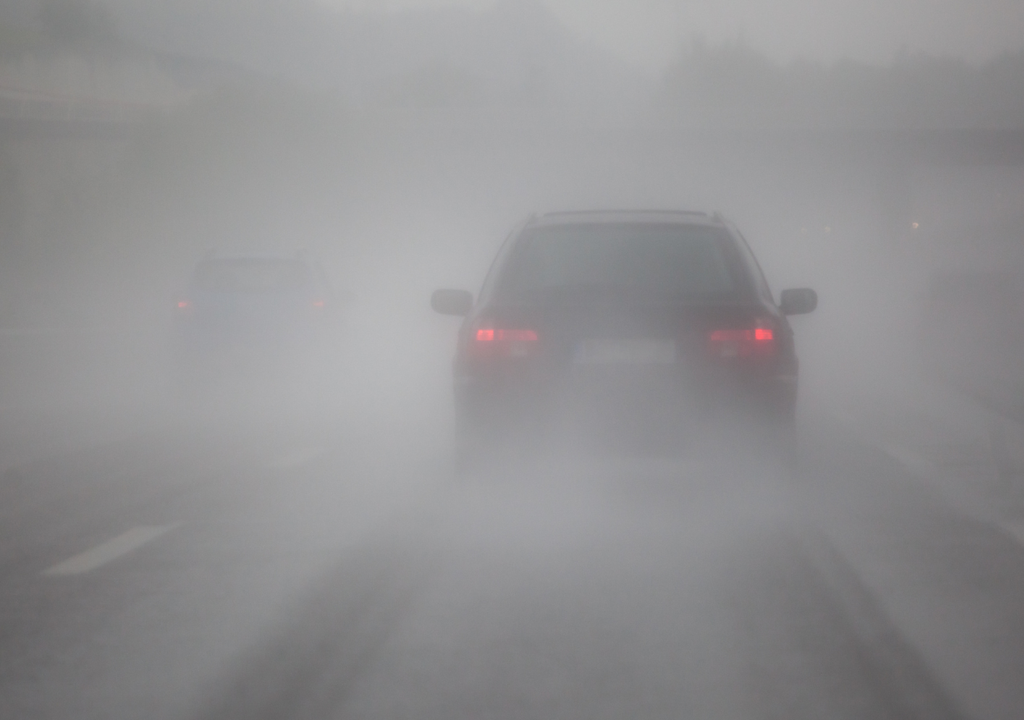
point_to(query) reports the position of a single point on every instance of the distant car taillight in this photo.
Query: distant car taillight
(493, 335)
(758, 341)
(184, 305)
(319, 304)
(503, 342)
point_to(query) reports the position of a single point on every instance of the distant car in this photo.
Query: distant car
(249, 315)
(623, 324)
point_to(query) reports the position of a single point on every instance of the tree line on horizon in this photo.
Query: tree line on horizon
(719, 85)
(733, 85)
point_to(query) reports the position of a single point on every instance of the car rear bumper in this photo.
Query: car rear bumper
(656, 402)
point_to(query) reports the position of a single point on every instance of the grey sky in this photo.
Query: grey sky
(649, 32)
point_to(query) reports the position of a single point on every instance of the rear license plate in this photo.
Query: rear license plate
(625, 352)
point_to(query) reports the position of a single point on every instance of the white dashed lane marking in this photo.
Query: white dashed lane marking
(108, 551)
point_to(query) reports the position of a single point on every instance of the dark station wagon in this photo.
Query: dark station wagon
(624, 325)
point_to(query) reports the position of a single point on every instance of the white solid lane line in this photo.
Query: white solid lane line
(920, 466)
(910, 460)
(108, 551)
(298, 457)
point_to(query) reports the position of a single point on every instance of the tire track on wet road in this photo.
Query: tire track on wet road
(895, 667)
(306, 667)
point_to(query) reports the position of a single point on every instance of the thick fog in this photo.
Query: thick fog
(401, 148)
(397, 147)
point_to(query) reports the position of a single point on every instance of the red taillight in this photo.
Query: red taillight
(318, 304)
(492, 335)
(501, 342)
(742, 342)
(184, 305)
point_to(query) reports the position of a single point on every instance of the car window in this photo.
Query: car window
(493, 272)
(323, 278)
(669, 260)
(251, 275)
(754, 269)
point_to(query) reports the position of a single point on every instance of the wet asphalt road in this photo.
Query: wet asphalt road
(297, 569)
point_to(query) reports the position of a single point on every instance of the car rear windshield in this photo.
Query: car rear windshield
(251, 275)
(669, 261)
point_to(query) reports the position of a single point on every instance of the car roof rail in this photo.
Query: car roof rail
(638, 211)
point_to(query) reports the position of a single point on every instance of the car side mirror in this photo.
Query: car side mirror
(452, 302)
(798, 301)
